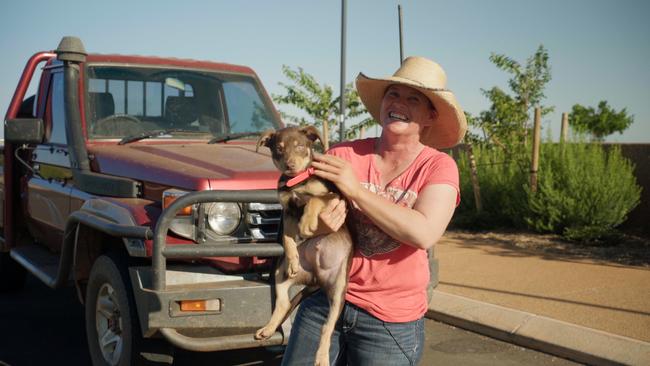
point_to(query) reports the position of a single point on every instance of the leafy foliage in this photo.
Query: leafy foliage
(470, 136)
(584, 191)
(355, 130)
(501, 179)
(506, 123)
(599, 123)
(318, 102)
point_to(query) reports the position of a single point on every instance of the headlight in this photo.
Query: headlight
(223, 217)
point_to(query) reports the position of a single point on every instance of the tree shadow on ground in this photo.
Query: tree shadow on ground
(624, 250)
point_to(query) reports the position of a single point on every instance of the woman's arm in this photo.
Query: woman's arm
(420, 226)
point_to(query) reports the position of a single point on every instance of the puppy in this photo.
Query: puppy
(321, 262)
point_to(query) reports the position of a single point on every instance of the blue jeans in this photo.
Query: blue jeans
(359, 338)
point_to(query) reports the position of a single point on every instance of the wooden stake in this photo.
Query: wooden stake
(536, 142)
(326, 135)
(474, 174)
(565, 128)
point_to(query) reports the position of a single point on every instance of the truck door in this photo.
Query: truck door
(48, 190)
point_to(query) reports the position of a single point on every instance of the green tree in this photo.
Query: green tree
(318, 102)
(506, 123)
(599, 123)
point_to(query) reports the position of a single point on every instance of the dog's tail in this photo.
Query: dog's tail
(297, 299)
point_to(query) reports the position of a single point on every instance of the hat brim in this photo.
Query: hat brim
(450, 125)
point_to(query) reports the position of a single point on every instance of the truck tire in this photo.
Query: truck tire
(12, 274)
(112, 325)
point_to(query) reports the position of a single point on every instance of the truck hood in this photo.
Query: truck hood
(191, 166)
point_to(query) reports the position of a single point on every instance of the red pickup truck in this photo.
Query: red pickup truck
(136, 179)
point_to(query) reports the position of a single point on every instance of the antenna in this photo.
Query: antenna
(401, 43)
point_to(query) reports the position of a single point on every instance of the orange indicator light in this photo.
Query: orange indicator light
(200, 305)
(169, 199)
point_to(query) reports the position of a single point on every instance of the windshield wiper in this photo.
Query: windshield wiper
(155, 133)
(233, 136)
(147, 135)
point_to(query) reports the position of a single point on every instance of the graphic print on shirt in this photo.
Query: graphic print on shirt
(370, 239)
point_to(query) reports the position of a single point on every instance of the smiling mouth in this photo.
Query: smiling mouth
(398, 116)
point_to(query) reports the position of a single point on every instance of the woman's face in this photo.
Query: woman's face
(406, 108)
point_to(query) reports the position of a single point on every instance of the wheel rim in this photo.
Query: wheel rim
(108, 322)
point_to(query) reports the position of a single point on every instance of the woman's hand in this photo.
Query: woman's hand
(332, 217)
(339, 172)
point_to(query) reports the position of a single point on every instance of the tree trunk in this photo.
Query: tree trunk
(536, 142)
(474, 174)
(565, 128)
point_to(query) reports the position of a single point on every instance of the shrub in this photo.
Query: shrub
(584, 191)
(501, 179)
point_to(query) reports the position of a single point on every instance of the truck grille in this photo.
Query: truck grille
(263, 220)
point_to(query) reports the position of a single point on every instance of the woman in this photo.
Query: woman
(402, 193)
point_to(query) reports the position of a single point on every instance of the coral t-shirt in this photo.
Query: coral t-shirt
(389, 279)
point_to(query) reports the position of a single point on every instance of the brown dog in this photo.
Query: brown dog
(321, 262)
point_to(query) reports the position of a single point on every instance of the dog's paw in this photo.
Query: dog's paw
(322, 359)
(264, 333)
(308, 226)
(306, 230)
(293, 268)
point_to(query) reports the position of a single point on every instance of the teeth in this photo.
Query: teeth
(397, 116)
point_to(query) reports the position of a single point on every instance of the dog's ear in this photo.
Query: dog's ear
(312, 133)
(265, 139)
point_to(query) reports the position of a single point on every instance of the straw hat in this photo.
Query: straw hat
(428, 78)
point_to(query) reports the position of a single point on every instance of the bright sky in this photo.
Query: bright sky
(598, 49)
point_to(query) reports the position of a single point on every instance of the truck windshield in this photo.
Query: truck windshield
(125, 101)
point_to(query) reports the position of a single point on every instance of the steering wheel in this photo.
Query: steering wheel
(117, 125)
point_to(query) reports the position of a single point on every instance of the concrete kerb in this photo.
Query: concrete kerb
(581, 344)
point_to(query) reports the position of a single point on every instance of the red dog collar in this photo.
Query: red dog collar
(300, 177)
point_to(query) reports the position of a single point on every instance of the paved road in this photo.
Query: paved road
(39, 326)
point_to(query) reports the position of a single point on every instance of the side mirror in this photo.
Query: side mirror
(24, 130)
